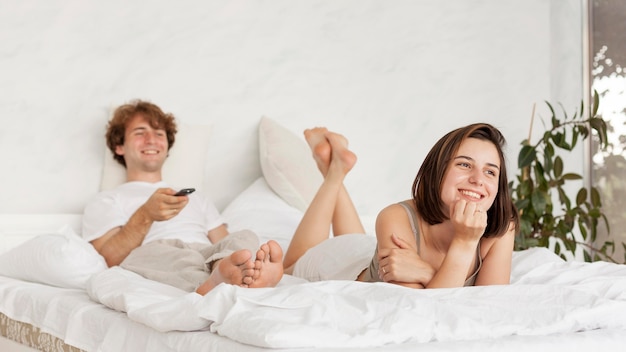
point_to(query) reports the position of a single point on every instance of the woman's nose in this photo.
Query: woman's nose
(477, 179)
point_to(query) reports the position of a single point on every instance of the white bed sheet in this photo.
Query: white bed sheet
(70, 315)
(548, 296)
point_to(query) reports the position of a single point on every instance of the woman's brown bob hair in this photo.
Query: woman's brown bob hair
(428, 183)
(153, 115)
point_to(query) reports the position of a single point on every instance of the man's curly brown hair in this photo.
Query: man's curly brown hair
(157, 119)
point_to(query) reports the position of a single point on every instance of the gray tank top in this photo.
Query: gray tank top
(371, 273)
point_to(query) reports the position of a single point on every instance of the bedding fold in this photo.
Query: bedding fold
(547, 296)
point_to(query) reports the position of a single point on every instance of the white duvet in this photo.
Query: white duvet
(547, 296)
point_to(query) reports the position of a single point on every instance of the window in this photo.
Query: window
(607, 39)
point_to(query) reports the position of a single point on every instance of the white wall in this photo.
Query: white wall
(393, 76)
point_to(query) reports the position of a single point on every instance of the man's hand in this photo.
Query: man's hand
(164, 205)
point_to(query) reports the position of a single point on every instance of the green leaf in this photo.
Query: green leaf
(526, 156)
(570, 245)
(581, 196)
(525, 188)
(544, 241)
(599, 125)
(586, 220)
(539, 201)
(596, 103)
(572, 176)
(582, 107)
(548, 165)
(595, 213)
(558, 166)
(584, 131)
(522, 204)
(606, 223)
(560, 140)
(593, 229)
(595, 197)
(574, 137)
(525, 227)
(563, 198)
(569, 221)
(540, 176)
(551, 109)
(548, 150)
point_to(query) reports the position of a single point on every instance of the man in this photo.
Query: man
(179, 240)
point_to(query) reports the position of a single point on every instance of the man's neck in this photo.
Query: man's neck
(151, 177)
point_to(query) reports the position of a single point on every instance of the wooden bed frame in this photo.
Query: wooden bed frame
(22, 337)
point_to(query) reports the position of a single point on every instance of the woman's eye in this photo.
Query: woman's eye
(492, 173)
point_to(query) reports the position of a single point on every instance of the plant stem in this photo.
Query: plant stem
(596, 251)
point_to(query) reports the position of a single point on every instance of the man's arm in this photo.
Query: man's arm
(117, 243)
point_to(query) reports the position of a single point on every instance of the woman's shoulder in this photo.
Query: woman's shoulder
(396, 209)
(399, 205)
(506, 241)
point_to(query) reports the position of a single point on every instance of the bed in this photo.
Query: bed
(56, 293)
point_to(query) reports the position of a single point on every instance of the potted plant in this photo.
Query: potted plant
(546, 210)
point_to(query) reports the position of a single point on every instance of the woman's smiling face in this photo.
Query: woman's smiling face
(472, 174)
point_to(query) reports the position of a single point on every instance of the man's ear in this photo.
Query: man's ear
(119, 150)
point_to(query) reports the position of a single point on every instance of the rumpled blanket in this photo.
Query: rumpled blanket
(546, 296)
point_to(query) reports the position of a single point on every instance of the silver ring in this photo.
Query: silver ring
(384, 271)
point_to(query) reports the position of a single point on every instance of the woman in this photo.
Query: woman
(458, 230)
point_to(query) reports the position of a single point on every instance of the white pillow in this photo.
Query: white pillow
(57, 259)
(287, 164)
(260, 210)
(184, 166)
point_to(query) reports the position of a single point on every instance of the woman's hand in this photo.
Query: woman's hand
(403, 264)
(468, 220)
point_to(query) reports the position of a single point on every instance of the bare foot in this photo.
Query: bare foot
(319, 146)
(236, 269)
(268, 266)
(342, 159)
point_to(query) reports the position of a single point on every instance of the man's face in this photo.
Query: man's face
(144, 148)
